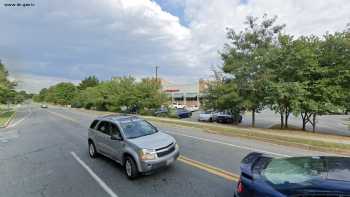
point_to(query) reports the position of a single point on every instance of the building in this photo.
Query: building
(189, 94)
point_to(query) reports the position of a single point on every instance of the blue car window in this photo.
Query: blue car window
(338, 168)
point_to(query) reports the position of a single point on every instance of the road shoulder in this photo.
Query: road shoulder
(6, 118)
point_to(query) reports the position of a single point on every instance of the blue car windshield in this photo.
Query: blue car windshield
(137, 128)
(294, 170)
(305, 169)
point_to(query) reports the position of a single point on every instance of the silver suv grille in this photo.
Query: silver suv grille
(165, 150)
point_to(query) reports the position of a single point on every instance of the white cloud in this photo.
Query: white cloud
(209, 20)
(34, 83)
(73, 39)
(69, 40)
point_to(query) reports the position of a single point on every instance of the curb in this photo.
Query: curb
(9, 120)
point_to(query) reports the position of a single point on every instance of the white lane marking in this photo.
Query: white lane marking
(232, 145)
(97, 179)
(16, 123)
(21, 120)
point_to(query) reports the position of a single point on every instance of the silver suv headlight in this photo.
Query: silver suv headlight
(148, 154)
(177, 146)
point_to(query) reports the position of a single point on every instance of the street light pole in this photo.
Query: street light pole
(157, 73)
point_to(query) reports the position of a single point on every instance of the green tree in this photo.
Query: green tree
(245, 59)
(287, 86)
(6, 86)
(120, 93)
(334, 58)
(20, 97)
(329, 84)
(91, 98)
(309, 76)
(62, 93)
(90, 81)
(223, 95)
(41, 97)
(149, 92)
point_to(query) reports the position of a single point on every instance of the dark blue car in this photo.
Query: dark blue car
(263, 176)
(183, 113)
(175, 113)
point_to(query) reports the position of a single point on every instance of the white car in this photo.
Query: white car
(206, 116)
(177, 106)
(192, 108)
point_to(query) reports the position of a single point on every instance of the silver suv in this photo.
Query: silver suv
(133, 142)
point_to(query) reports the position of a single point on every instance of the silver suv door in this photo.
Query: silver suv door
(102, 136)
(115, 143)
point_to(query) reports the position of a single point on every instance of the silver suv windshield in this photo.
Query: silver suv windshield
(137, 128)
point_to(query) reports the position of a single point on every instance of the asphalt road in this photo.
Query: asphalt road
(44, 153)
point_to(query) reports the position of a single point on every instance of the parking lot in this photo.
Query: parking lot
(329, 124)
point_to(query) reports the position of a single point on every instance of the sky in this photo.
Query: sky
(67, 40)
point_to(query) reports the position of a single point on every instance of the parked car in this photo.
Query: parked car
(226, 117)
(192, 108)
(133, 142)
(183, 113)
(162, 112)
(262, 176)
(176, 106)
(43, 106)
(206, 116)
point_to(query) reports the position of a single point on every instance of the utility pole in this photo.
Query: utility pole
(157, 73)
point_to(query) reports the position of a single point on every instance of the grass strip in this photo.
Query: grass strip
(5, 117)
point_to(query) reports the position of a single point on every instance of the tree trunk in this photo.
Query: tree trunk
(282, 120)
(314, 122)
(303, 116)
(286, 118)
(253, 118)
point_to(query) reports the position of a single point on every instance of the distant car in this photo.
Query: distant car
(206, 116)
(183, 113)
(263, 176)
(192, 108)
(132, 110)
(176, 106)
(43, 106)
(162, 112)
(133, 142)
(225, 117)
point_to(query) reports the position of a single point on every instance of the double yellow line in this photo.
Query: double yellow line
(197, 164)
(211, 169)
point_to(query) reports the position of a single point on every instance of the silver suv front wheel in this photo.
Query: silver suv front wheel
(92, 150)
(130, 168)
